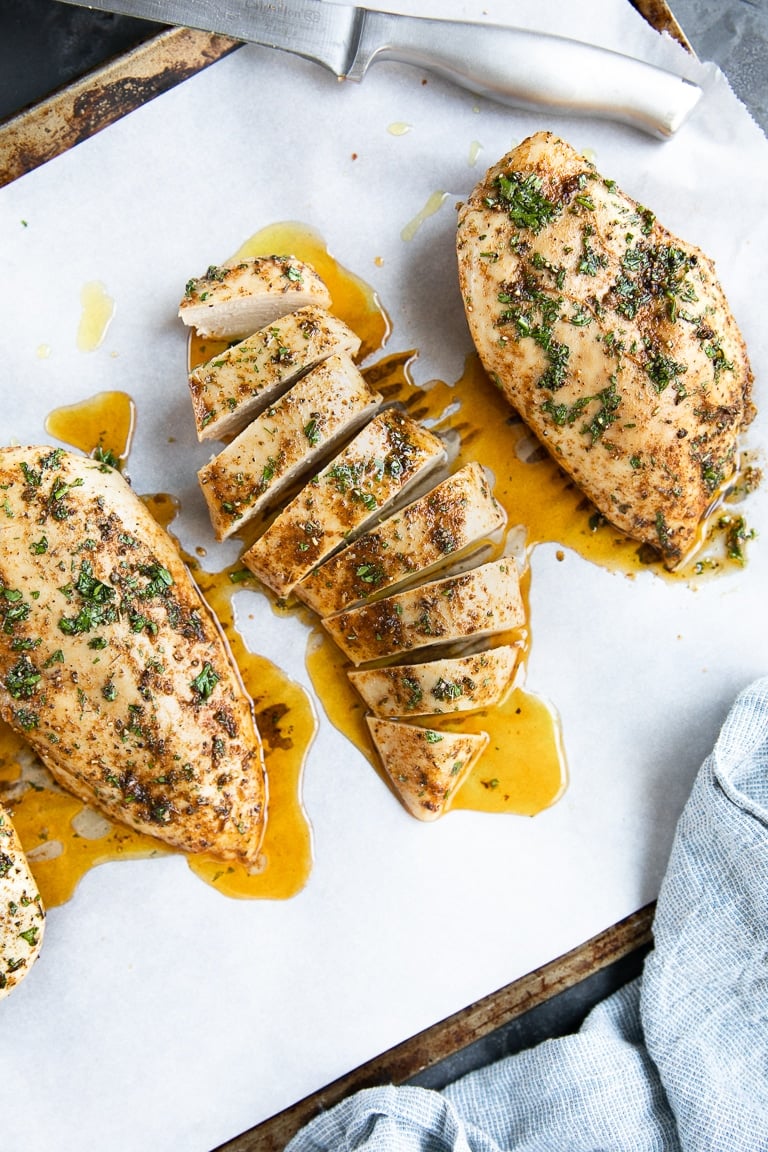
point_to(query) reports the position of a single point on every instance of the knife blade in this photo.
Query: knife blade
(510, 65)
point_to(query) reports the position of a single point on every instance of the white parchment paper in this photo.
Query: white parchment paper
(162, 1015)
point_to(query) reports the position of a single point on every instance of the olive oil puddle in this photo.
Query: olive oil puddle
(97, 310)
(101, 426)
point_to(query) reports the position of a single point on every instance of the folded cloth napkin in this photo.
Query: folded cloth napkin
(676, 1060)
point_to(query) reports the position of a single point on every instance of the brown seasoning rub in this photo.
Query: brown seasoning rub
(379, 464)
(238, 383)
(483, 601)
(426, 767)
(436, 528)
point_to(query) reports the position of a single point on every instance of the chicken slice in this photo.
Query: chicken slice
(444, 523)
(462, 684)
(426, 767)
(22, 920)
(481, 602)
(232, 387)
(388, 456)
(610, 336)
(111, 665)
(231, 301)
(327, 404)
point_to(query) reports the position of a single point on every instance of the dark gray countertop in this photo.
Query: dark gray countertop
(733, 34)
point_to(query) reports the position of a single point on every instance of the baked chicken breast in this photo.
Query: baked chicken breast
(111, 665)
(610, 336)
(22, 915)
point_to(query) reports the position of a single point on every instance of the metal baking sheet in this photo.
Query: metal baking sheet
(189, 996)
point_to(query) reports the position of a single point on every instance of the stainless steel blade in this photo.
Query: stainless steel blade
(521, 68)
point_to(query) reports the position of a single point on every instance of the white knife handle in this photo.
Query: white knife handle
(530, 69)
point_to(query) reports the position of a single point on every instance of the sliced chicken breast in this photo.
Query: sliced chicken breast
(287, 440)
(481, 602)
(426, 767)
(462, 684)
(610, 336)
(231, 301)
(440, 525)
(22, 920)
(113, 668)
(389, 455)
(231, 388)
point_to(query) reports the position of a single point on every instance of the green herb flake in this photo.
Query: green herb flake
(311, 432)
(22, 679)
(205, 681)
(522, 198)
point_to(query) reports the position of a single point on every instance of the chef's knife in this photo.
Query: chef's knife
(510, 65)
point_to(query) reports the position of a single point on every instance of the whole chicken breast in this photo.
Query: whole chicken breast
(22, 915)
(111, 665)
(610, 336)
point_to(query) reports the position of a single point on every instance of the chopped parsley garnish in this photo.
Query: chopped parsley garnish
(370, 573)
(15, 609)
(522, 198)
(447, 690)
(205, 681)
(415, 693)
(22, 680)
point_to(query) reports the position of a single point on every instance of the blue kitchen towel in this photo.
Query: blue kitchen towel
(676, 1061)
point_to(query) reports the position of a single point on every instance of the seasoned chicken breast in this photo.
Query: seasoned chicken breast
(481, 602)
(461, 684)
(374, 469)
(426, 767)
(232, 387)
(610, 336)
(232, 300)
(22, 916)
(111, 665)
(440, 525)
(285, 441)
